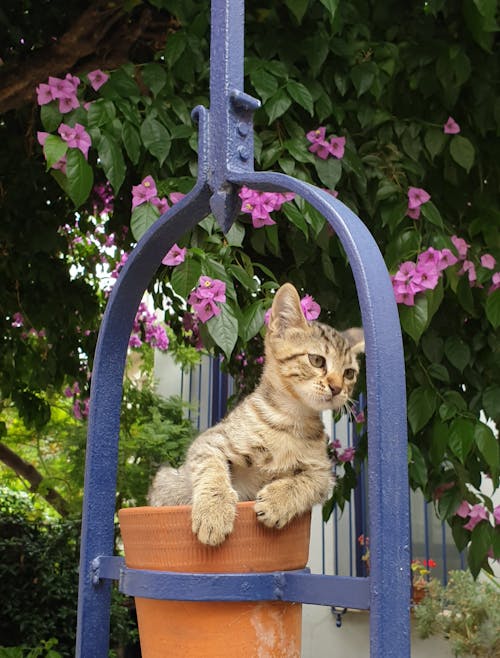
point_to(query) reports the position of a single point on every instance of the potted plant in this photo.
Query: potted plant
(465, 611)
(420, 578)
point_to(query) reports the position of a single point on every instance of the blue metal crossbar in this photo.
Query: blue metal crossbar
(225, 164)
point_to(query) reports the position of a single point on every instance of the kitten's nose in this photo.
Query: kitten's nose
(335, 389)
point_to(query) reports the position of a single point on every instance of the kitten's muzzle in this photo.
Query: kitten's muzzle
(334, 389)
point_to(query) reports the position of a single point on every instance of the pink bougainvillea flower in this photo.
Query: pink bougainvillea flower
(319, 144)
(310, 308)
(495, 281)
(488, 261)
(469, 268)
(41, 137)
(258, 205)
(61, 88)
(496, 515)
(446, 259)
(413, 213)
(44, 94)
(347, 455)
(76, 137)
(209, 288)
(144, 192)
(477, 513)
(68, 103)
(61, 165)
(17, 320)
(429, 257)
(460, 245)
(206, 309)
(175, 256)
(337, 147)
(451, 127)
(161, 204)
(97, 78)
(175, 197)
(73, 80)
(463, 509)
(417, 197)
(426, 277)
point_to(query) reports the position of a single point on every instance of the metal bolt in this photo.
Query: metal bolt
(243, 153)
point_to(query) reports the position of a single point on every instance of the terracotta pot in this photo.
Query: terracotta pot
(160, 538)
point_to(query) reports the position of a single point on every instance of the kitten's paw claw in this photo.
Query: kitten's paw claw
(213, 518)
(270, 513)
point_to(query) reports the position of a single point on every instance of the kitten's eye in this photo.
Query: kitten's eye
(316, 360)
(349, 373)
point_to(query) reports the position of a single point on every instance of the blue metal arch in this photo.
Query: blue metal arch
(225, 163)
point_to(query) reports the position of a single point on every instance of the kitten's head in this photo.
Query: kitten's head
(314, 363)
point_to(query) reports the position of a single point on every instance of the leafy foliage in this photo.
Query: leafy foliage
(386, 77)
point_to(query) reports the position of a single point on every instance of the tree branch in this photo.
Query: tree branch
(101, 37)
(28, 472)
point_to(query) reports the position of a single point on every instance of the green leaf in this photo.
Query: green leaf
(461, 438)
(432, 214)
(143, 217)
(487, 445)
(421, 406)
(481, 539)
(252, 321)
(439, 442)
(329, 171)
(243, 277)
(100, 113)
(155, 77)
(296, 217)
(80, 176)
(298, 8)
(185, 277)
(439, 372)
(54, 149)
(223, 329)
(265, 84)
(457, 352)
(156, 138)
(493, 308)
(462, 152)
(175, 46)
(491, 402)
(433, 346)
(448, 503)
(131, 141)
(113, 164)
(434, 140)
(50, 116)
(235, 235)
(362, 76)
(332, 6)
(414, 319)
(417, 467)
(300, 95)
(277, 105)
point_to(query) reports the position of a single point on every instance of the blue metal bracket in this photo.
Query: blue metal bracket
(225, 164)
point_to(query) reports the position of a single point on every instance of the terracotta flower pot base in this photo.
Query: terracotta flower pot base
(160, 538)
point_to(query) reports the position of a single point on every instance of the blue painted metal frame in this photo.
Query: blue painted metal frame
(225, 164)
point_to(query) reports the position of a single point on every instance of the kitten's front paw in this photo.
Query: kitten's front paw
(213, 516)
(272, 507)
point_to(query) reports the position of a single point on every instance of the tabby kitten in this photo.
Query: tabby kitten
(272, 447)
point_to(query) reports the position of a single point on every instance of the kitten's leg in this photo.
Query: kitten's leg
(214, 499)
(283, 499)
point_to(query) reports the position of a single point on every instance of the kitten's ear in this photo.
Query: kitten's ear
(356, 339)
(286, 311)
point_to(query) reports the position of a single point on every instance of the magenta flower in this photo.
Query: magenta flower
(17, 320)
(463, 509)
(258, 205)
(337, 147)
(469, 268)
(97, 78)
(495, 281)
(446, 259)
(144, 192)
(320, 145)
(310, 308)
(347, 455)
(44, 94)
(161, 204)
(175, 197)
(477, 513)
(488, 261)
(205, 297)
(76, 137)
(417, 197)
(451, 127)
(175, 256)
(61, 88)
(460, 245)
(496, 515)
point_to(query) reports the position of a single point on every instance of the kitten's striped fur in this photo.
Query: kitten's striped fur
(272, 447)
